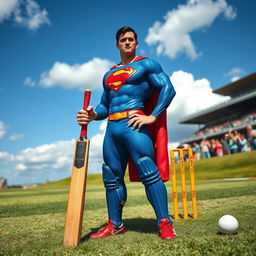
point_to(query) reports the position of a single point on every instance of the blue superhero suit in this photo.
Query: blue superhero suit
(125, 89)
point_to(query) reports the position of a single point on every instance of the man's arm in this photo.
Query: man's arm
(161, 82)
(100, 112)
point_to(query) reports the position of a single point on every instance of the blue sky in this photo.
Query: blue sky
(50, 52)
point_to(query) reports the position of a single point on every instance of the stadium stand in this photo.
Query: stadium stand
(233, 115)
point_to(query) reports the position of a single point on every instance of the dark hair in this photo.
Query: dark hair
(124, 30)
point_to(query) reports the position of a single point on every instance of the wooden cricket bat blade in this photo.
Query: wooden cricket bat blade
(75, 208)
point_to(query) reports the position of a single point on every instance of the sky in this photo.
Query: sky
(51, 52)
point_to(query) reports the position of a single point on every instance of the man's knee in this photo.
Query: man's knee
(109, 178)
(148, 171)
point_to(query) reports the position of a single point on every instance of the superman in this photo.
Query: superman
(127, 91)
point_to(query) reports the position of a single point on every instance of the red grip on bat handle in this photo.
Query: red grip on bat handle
(87, 96)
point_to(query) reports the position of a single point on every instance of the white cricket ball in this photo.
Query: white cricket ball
(228, 224)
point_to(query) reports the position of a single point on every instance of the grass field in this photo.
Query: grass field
(32, 221)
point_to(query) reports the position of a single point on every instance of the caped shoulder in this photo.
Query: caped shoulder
(151, 65)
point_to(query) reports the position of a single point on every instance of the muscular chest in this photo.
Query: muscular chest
(131, 75)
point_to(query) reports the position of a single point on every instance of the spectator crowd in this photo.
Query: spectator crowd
(231, 143)
(227, 125)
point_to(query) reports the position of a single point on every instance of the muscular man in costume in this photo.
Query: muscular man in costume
(126, 87)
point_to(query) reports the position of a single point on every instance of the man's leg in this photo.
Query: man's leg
(141, 150)
(115, 194)
(157, 195)
(115, 158)
(116, 197)
(154, 186)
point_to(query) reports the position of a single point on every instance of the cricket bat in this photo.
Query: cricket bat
(75, 208)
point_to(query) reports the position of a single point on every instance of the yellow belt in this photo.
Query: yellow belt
(124, 114)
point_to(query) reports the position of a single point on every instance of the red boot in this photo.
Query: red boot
(108, 230)
(166, 229)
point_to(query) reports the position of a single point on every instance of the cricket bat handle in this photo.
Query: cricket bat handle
(87, 96)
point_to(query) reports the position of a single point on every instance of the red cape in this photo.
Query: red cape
(158, 133)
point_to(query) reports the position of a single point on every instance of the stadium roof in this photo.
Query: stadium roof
(240, 86)
(245, 88)
(231, 108)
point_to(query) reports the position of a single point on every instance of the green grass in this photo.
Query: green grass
(32, 221)
(231, 166)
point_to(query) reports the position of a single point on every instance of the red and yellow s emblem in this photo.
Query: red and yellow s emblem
(118, 78)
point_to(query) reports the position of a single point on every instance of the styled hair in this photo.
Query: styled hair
(124, 30)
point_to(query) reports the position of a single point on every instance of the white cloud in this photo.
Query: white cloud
(235, 78)
(7, 7)
(103, 126)
(2, 129)
(36, 16)
(6, 157)
(191, 96)
(26, 13)
(173, 145)
(53, 155)
(29, 82)
(14, 137)
(86, 75)
(48, 156)
(21, 167)
(174, 35)
(51, 161)
(235, 74)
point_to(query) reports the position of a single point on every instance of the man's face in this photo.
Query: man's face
(127, 43)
